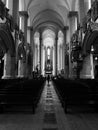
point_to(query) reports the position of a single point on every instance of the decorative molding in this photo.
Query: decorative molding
(21, 35)
(94, 26)
(66, 28)
(23, 13)
(94, 10)
(73, 14)
(2, 10)
(30, 28)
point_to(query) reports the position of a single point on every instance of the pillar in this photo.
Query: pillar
(54, 61)
(21, 69)
(33, 52)
(9, 5)
(92, 66)
(15, 10)
(32, 47)
(9, 66)
(87, 5)
(9, 59)
(56, 55)
(65, 42)
(52, 58)
(40, 53)
(73, 21)
(43, 60)
(23, 27)
(63, 56)
(59, 56)
(81, 11)
(29, 40)
(36, 56)
(45, 56)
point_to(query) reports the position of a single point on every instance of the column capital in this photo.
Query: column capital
(56, 38)
(23, 13)
(66, 28)
(72, 14)
(40, 32)
(40, 37)
(30, 28)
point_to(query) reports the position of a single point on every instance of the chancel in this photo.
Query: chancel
(48, 64)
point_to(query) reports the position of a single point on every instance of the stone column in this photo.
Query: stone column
(59, 56)
(54, 61)
(29, 40)
(45, 56)
(9, 5)
(32, 47)
(52, 58)
(9, 66)
(92, 66)
(40, 52)
(43, 60)
(66, 40)
(82, 11)
(33, 52)
(56, 55)
(23, 27)
(73, 21)
(35, 58)
(9, 59)
(63, 56)
(21, 69)
(87, 5)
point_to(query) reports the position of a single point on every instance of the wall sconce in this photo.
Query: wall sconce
(92, 48)
(21, 55)
(96, 58)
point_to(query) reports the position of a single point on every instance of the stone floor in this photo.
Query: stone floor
(49, 115)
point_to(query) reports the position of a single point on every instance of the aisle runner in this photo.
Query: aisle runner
(49, 121)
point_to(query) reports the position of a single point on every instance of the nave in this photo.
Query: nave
(49, 115)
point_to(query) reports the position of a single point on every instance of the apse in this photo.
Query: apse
(48, 38)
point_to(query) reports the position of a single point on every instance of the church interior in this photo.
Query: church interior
(48, 65)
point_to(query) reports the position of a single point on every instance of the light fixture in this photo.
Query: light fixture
(92, 48)
(96, 58)
(21, 55)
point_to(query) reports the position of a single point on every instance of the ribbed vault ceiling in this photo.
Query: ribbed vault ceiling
(61, 7)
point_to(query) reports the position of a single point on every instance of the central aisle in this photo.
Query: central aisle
(53, 115)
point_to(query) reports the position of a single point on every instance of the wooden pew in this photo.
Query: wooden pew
(73, 93)
(24, 93)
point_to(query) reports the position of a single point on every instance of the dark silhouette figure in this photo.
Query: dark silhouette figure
(48, 79)
(96, 72)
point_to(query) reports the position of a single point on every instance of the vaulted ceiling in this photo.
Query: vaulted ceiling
(55, 11)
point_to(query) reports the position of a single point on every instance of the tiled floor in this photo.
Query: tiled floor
(49, 116)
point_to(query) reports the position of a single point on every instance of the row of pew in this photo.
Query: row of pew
(78, 93)
(20, 92)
